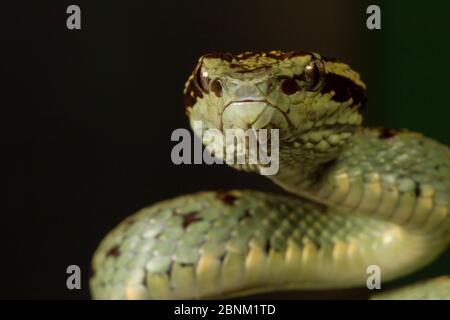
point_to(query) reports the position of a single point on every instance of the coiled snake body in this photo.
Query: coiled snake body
(356, 197)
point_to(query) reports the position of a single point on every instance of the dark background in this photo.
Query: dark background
(87, 115)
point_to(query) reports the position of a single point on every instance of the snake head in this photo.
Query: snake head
(313, 101)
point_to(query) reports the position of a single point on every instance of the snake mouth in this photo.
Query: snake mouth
(250, 113)
(244, 101)
(244, 114)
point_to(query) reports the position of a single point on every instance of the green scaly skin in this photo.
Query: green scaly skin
(356, 197)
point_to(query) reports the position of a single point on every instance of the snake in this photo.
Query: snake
(350, 198)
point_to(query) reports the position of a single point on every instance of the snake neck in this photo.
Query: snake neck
(302, 168)
(295, 176)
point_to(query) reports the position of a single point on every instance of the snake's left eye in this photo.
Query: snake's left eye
(202, 79)
(314, 74)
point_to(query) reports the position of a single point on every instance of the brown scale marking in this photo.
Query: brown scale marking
(247, 55)
(144, 278)
(235, 65)
(219, 55)
(274, 54)
(169, 275)
(113, 252)
(91, 272)
(417, 190)
(267, 246)
(189, 218)
(248, 70)
(344, 89)
(259, 54)
(184, 264)
(226, 197)
(384, 133)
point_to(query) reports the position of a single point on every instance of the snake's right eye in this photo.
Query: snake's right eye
(202, 79)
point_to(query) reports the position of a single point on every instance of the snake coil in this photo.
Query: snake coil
(355, 197)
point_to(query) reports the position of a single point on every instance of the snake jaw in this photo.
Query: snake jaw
(244, 113)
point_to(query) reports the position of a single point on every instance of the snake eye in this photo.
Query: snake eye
(314, 74)
(202, 79)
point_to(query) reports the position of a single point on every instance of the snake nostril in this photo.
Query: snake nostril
(289, 86)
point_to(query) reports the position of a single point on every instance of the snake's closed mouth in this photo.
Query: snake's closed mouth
(246, 113)
(245, 101)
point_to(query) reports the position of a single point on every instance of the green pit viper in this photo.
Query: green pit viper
(355, 197)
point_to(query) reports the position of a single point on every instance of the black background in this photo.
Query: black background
(87, 115)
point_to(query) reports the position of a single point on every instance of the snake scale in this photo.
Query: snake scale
(354, 197)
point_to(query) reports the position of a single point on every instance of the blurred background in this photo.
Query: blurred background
(87, 115)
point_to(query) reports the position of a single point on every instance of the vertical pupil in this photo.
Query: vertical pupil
(316, 75)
